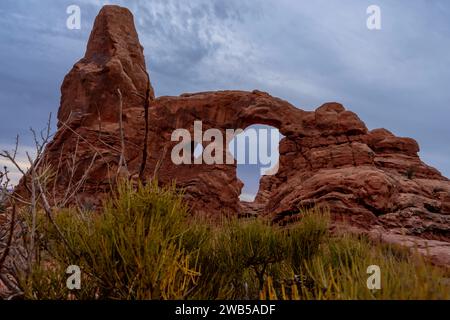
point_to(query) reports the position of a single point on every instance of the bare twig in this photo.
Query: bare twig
(72, 168)
(4, 183)
(11, 286)
(12, 158)
(122, 160)
(15, 295)
(48, 211)
(94, 148)
(87, 142)
(44, 136)
(159, 163)
(39, 145)
(10, 237)
(18, 198)
(16, 147)
(80, 182)
(58, 168)
(33, 212)
(146, 115)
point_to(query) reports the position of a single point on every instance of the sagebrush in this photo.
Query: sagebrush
(145, 244)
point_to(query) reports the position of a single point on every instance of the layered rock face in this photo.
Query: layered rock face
(371, 180)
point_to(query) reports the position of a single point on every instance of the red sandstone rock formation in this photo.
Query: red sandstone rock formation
(109, 84)
(371, 180)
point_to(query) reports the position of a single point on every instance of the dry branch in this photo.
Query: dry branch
(122, 160)
(10, 238)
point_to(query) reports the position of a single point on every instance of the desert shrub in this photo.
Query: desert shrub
(48, 282)
(145, 245)
(339, 271)
(132, 249)
(241, 253)
(306, 236)
(238, 256)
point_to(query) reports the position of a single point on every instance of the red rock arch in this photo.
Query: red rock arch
(328, 156)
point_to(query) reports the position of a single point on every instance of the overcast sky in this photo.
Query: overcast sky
(307, 52)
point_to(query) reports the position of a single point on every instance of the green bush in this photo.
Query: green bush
(132, 249)
(145, 245)
(237, 257)
(306, 236)
(339, 271)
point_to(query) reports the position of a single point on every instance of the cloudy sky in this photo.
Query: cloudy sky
(307, 52)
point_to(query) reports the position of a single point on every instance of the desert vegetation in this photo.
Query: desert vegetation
(145, 244)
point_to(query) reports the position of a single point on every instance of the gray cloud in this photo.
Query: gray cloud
(307, 52)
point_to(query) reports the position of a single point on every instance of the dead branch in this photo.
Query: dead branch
(11, 286)
(12, 158)
(81, 182)
(93, 148)
(33, 212)
(87, 142)
(146, 115)
(72, 168)
(10, 238)
(159, 163)
(55, 180)
(122, 160)
(48, 211)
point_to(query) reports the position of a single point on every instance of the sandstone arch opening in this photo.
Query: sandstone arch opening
(256, 151)
(196, 150)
